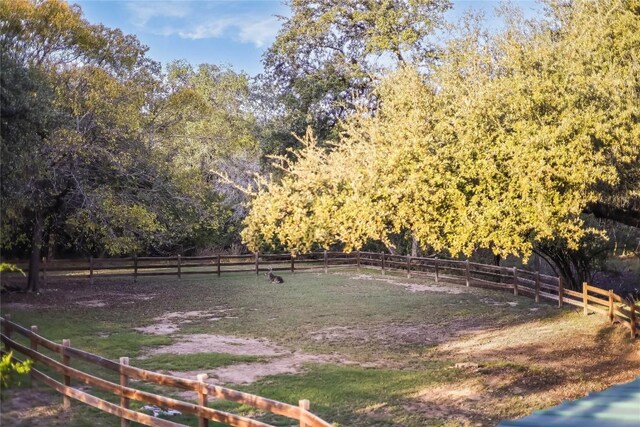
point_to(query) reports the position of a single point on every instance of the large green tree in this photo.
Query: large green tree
(329, 54)
(77, 159)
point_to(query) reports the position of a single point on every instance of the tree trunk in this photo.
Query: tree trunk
(414, 246)
(36, 249)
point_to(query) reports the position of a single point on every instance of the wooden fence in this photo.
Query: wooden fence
(519, 281)
(65, 353)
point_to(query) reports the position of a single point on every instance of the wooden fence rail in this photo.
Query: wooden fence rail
(126, 393)
(516, 280)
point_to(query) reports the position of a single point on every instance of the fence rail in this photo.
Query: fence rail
(204, 413)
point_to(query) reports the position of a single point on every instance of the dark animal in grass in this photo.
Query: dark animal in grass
(273, 278)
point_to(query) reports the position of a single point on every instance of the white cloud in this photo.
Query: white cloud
(143, 11)
(225, 19)
(258, 31)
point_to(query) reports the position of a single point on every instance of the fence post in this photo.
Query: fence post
(124, 382)
(515, 281)
(304, 405)
(293, 267)
(408, 265)
(179, 267)
(560, 292)
(135, 268)
(382, 258)
(66, 400)
(91, 270)
(202, 398)
(585, 298)
(467, 273)
(7, 331)
(325, 261)
(257, 263)
(537, 297)
(218, 265)
(435, 264)
(611, 306)
(33, 344)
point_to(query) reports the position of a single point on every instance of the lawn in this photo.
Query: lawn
(365, 349)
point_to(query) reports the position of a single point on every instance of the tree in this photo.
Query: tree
(211, 131)
(73, 102)
(504, 145)
(328, 54)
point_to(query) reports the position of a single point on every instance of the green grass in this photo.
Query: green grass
(192, 362)
(367, 322)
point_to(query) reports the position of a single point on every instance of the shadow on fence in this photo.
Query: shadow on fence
(126, 393)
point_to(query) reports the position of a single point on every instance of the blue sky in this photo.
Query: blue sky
(233, 32)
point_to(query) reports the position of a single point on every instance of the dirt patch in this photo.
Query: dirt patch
(21, 306)
(92, 303)
(490, 301)
(169, 323)
(245, 373)
(162, 328)
(451, 401)
(396, 335)
(29, 407)
(203, 343)
(411, 287)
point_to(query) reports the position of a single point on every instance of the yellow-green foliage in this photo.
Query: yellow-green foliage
(8, 368)
(505, 143)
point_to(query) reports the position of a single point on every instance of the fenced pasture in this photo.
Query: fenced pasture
(366, 349)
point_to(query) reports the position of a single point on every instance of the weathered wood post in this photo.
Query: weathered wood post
(537, 296)
(408, 265)
(304, 405)
(135, 268)
(293, 267)
(218, 263)
(124, 382)
(515, 281)
(633, 319)
(358, 259)
(202, 397)
(7, 331)
(382, 258)
(179, 267)
(325, 262)
(66, 400)
(467, 273)
(91, 270)
(257, 263)
(585, 298)
(560, 292)
(611, 306)
(33, 344)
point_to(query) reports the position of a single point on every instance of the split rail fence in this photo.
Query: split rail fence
(124, 390)
(519, 281)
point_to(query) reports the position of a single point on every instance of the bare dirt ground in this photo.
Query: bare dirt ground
(411, 286)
